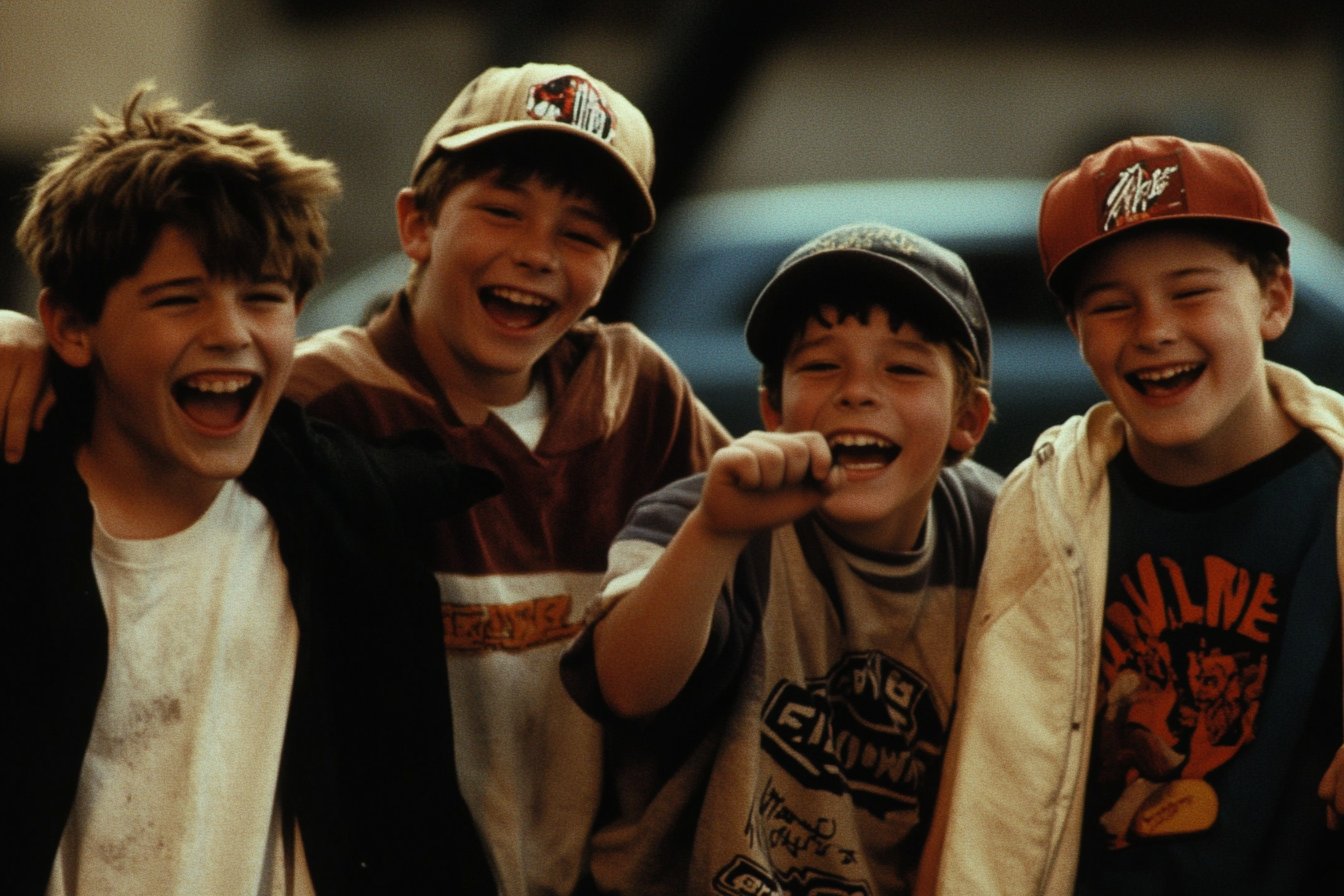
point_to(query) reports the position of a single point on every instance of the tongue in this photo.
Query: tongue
(513, 315)
(213, 411)
(1170, 384)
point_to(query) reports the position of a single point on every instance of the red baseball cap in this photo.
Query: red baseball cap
(1146, 179)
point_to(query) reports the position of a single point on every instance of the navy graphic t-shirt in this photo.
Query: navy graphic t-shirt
(1218, 704)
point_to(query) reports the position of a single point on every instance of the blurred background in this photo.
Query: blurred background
(741, 93)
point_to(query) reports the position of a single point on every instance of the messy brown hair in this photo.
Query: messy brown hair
(243, 197)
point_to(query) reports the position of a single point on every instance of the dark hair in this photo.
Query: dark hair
(859, 305)
(1250, 244)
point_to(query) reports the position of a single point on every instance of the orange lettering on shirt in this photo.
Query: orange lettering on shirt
(1257, 613)
(474, 628)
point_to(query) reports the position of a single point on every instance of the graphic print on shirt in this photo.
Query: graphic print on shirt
(516, 626)
(512, 614)
(868, 730)
(743, 877)
(1182, 675)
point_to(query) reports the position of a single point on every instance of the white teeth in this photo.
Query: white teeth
(519, 297)
(856, 440)
(218, 386)
(1164, 373)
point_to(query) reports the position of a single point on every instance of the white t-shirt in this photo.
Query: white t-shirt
(527, 418)
(177, 794)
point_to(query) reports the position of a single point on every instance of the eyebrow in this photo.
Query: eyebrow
(174, 283)
(575, 204)
(918, 345)
(265, 279)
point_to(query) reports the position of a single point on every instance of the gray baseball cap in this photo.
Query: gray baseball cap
(873, 257)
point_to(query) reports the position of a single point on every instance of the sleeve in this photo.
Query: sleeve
(737, 614)
(413, 471)
(965, 500)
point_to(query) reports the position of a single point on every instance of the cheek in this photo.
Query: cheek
(797, 407)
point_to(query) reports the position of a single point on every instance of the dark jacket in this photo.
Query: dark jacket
(367, 767)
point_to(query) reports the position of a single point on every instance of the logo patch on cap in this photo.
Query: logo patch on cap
(1147, 189)
(574, 101)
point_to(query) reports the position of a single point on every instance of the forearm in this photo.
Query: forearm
(647, 646)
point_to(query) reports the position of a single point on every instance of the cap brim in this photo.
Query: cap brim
(1058, 281)
(811, 278)
(641, 201)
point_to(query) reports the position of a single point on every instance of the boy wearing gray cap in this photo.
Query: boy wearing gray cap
(784, 629)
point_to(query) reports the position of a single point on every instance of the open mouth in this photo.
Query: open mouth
(514, 309)
(1159, 381)
(216, 401)
(855, 451)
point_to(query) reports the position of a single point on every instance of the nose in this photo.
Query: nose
(1154, 325)
(535, 247)
(856, 388)
(226, 325)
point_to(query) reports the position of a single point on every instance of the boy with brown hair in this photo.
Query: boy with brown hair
(524, 198)
(784, 629)
(1150, 700)
(220, 654)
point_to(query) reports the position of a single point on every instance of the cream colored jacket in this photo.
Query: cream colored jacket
(1010, 812)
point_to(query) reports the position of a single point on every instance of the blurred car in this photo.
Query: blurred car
(715, 253)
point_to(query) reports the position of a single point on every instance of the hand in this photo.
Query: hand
(1332, 791)
(25, 391)
(766, 479)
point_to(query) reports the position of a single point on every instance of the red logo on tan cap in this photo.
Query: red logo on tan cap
(1147, 189)
(574, 101)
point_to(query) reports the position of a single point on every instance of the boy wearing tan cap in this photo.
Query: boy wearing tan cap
(524, 198)
(1150, 701)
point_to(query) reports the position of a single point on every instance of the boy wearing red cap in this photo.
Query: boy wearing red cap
(1150, 699)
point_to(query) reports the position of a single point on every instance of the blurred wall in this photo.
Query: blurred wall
(852, 90)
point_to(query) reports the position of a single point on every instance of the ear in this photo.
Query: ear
(1278, 305)
(971, 421)
(1072, 320)
(769, 416)
(414, 227)
(67, 332)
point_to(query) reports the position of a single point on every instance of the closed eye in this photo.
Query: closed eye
(173, 301)
(500, 211)
(588, 239)
(1106, 308)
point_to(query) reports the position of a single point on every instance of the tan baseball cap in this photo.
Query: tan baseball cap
(560, 98)
(1146, 179)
